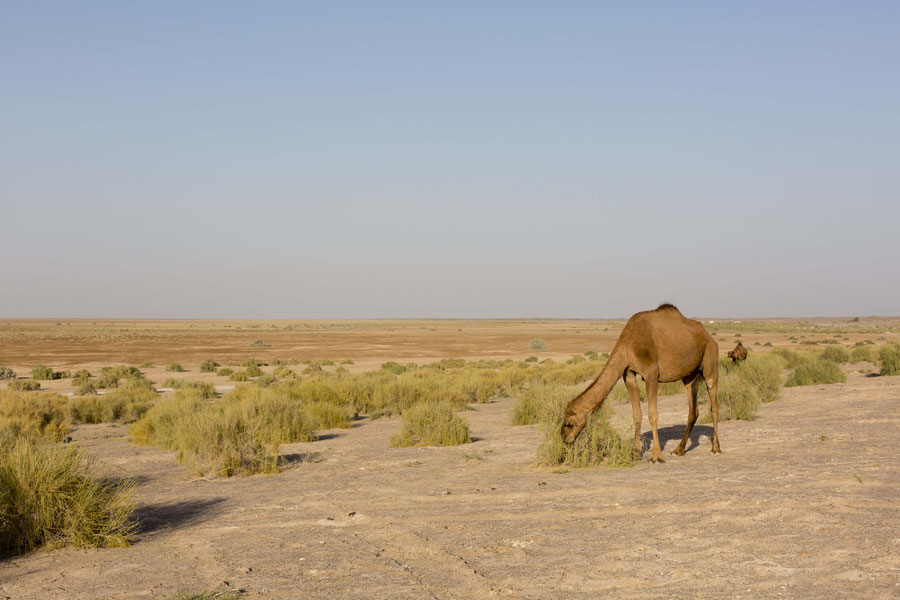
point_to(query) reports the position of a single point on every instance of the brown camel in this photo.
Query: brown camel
(659, 345)
(738, 354)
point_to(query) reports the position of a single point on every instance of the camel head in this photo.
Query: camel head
(572, 424)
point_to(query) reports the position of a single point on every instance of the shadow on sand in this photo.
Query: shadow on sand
(169, 515)
(676, 432)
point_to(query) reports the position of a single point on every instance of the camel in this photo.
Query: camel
(738, 354)
(659, 345)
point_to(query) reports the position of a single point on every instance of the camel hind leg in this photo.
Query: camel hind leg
(711, 375)
(635, 393)
(692, 388)
(651, 381)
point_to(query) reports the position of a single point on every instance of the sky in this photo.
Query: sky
(457, 159)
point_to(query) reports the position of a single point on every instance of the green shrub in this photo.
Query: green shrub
(86, 388)
(325, 415)
(537, 344)
(34, 414)
(531, 359)
(119, 406)
(45, 373)
(7, 373)
(763, 373)
(239, 376)
(24, 385)
(889, 358)
(175, 368)
(599, 443)
(203, 389)
(49, 496)
(836, 354)
(208, 366)
(538, 404)
(225, 372)
(816, 371)
(431, 424)
(737, 399)
(253, 371)
(393, 367)
(862, 354)
(347, 361)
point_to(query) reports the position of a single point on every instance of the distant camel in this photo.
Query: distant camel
(659, 345)
(738, 354)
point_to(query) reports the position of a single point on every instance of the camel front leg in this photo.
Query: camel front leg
(692, 389)
(712, 388)
(651, 380)
(635, 393)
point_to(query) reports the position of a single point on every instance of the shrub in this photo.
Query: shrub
(431, 424)
(889, 357)
(862, 354)
(87, 388)
(49, 496)
(599, 443)
(34, 414)
(325, 415)
(537, 404)
(45, 373)
(7, 373)
(282, 372)
(537, 344)
(592, 355)
(816, 371)
(258, 344)
(531, 359)
(265, 380)
(24, 385)
(203, 389)
(175, 368)
(208, 366)
(836, 354)
(347, 362)
(239, 376)
(119, 406)
(763, 373)
(737, 399)
(224, 372)
(253, 371)
(393, 367)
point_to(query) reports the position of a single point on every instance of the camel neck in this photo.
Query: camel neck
(612, 371)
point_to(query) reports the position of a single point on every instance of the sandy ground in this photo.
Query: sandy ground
(802, 504)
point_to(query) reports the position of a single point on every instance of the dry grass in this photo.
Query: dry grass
(599, 443)
(889, 360)
(816, 371)
(431, 423)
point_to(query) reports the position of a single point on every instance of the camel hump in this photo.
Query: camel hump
(667, 306)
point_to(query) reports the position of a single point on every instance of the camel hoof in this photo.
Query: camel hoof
(677, 452)
(657, 459)
(716, 451)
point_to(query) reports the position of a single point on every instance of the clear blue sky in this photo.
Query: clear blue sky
(483, 159)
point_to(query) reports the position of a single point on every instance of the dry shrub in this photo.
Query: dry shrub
(7, 373)
(763, 373)
(737, 399)
(431, 424)
(836, 354)
(203, 389)
(119, 406)
(889, 358)
(208, 366)
(24, 385)
(325, 415)
(45, 373)
(34, 414)
(539, 404)
(862, 354)
(816, 371)
(599, 443)
(49, 496)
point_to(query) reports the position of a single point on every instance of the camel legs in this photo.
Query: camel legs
(692, 388)
(711, 375)
(651, 380)
(634, 392)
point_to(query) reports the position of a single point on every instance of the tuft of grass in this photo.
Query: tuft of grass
(737, 399)
(119, 406)
(45, 373)
(24, 385)
(225, 372)
(325, 415)
(816, 371)
(7, 373)
(238, 376)
(862, 354)
(531, 359)
(34, 414)
(836, 354)
(537, 404)
(203, 389)
(431, 424)
(537, 344)
(599, 443)
(253, 371)
(763, 373)
(208, 366)
(50, 496)
(889, 359)
(175, 368)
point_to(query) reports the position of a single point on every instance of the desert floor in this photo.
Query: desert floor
(802, 503)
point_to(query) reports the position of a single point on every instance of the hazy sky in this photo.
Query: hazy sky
(483, 159)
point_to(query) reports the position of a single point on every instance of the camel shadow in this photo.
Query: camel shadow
(168, 515)
(676, 432)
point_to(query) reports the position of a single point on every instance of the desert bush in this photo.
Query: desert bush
(50, 496)
(265, 380)
(175, 368)
(537, 344)
(282, 372)
(816, 371)
(45, 373)
(203, 389)
(862, 354)
(86, 388)
(225, 372)
(737, 399)
(24, 385)
(325, 415)
(592, 355)
(393, 367)
(119, 406)
(34, 414)
(531, 359)
(431, 424)
(253, 371)
(763, 372)
(889, 360)
(258, 344)
(7, 373)
(347, 361)
(836, 354)
(239, 376)
(537, 404)
(575, 360)
(599, 443)
(208, 366)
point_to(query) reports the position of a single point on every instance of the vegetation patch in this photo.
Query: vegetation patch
(431, 424)
(889, 359)
(208, 366)
(599, 443)
(836, 354)
(7, 373)
(816, 371)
